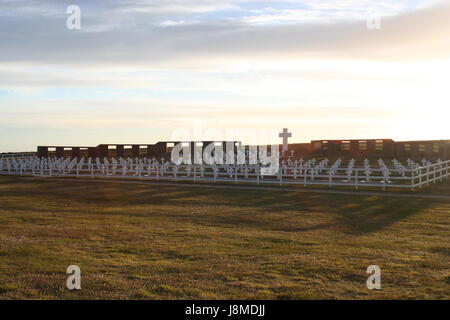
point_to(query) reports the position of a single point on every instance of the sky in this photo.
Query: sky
(139, 71)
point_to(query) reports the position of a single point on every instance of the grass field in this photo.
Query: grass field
(157, 242)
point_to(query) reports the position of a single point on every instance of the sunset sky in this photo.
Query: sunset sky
(137, 71)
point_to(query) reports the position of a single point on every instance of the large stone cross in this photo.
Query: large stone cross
(285, 135)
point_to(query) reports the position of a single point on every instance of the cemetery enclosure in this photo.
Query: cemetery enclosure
(359, 149)
(140, 241)
(355, 174)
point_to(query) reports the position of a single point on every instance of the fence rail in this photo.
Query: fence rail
(307, 173)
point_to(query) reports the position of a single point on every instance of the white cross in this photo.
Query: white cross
(285, 135)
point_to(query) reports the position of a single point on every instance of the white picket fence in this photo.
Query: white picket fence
(301, 172)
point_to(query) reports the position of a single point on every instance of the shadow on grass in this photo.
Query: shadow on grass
(268, 210)
(372, 214)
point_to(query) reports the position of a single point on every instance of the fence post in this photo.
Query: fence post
(447, 172)
(330, 179)
(281, 175)
(257, 173)
(434, 173)
(420, 177)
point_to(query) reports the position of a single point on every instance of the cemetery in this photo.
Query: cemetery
(380, 174)
(353, 164)
(356, 164)
(236, 240)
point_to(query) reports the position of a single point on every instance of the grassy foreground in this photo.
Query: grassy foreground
(152, 242)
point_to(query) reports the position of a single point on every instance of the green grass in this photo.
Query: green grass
(152, 242)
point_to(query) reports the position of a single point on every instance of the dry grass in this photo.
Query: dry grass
(147, 242)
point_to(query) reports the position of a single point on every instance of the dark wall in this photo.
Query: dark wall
(415, 150)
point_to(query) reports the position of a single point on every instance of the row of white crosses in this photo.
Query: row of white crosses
(290, 163)
(126, 165)
(385, 170)
(367, 170)
(68, 164)
(350, 169)
(312, 169)
(401, 169)
(334, 168)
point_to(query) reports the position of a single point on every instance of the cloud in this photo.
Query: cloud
(146, 113)
(422, 34)
(171, 23)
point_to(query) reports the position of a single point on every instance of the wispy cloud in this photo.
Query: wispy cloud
(415, 35)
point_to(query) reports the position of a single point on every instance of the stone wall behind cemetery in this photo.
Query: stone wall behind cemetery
(331, 149)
